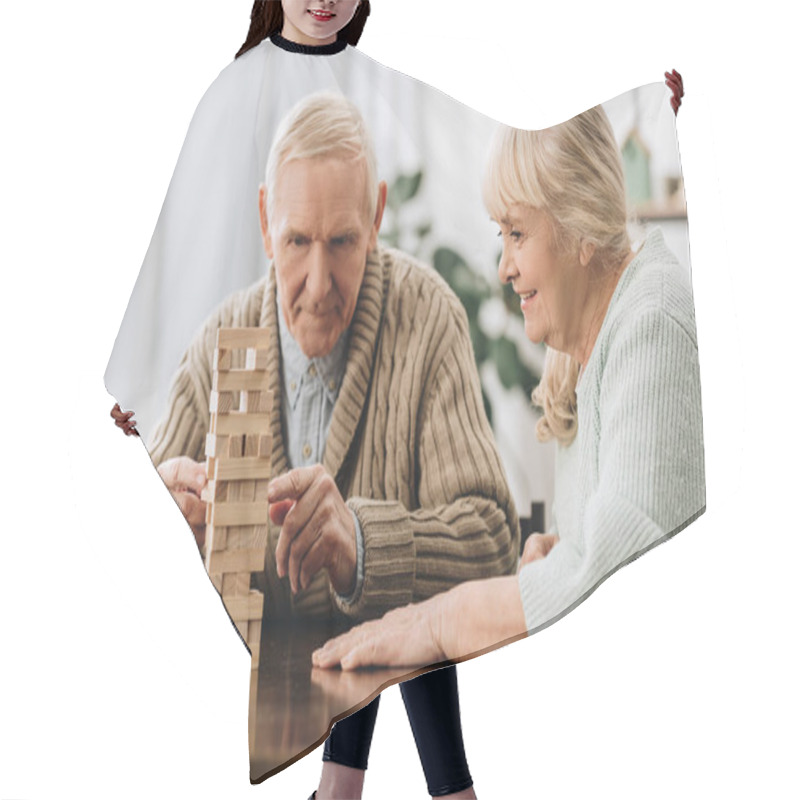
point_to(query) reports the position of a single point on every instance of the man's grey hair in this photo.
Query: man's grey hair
(323, 125)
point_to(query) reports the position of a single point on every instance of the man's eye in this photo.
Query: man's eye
(299, 241)
(341, 241)
(516, 235)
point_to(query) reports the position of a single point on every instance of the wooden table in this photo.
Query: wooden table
(292, 704)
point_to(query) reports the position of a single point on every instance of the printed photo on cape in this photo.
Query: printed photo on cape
(432, 439)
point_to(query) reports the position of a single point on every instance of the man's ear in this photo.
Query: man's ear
(379, 209)
(262, 217)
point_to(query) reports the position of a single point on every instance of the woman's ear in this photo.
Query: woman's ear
(262, 217)
(587, 253)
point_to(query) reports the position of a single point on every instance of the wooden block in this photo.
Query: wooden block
(243, 609)
(235, 584)
(214, 491)
(244, 560)
(222, 360)
(217, 446)
(241, 380)
(241, 469)
(265, 446)
(220, 402)
(256, 359)
(242, 338)
(260, 538)
(262, 491)
(241, 626)
(238, 584)
(253, 632)
(228, 514)
(216, 539)
(251, 445)
(256, 402)
(241, 423)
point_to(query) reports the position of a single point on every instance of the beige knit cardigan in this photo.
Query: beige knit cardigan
(409, 444)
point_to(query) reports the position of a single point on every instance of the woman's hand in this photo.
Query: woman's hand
(404, 637)
(537, 546)
(124, 420)
(474, 617)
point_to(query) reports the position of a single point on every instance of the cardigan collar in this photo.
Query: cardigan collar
(363, 333)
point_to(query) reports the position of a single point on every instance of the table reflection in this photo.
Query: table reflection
(292, 704)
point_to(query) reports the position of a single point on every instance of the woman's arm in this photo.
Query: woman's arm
(468, 620)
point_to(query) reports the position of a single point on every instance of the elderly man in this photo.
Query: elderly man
(390, 487)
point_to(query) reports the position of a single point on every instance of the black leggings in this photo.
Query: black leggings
(432, 707)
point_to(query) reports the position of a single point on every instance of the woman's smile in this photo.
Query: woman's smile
(320, 15)
(526, 299)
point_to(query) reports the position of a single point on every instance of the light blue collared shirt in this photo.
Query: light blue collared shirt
(309, 392)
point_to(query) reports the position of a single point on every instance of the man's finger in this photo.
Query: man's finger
(182, 472)
(192, 507)
(290, 530)
(302, 544)
(293, 484)
(278, 511)
(299, 517)
(312, 563)
(304, 508)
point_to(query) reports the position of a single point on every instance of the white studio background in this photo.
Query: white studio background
(119, 673)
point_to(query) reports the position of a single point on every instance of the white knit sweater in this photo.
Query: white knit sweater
(634, 475)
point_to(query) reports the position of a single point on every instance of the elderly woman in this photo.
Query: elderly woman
(620, 394)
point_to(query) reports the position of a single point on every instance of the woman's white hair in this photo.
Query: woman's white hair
(323, 125)
(573, 173)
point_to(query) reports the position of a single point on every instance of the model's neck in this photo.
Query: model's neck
(311, 47)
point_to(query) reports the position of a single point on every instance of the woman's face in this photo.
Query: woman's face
(315, 22)
(552, 288)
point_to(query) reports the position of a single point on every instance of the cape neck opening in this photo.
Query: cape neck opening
(308, 49)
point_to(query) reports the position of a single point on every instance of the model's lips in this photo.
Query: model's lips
(322, 16)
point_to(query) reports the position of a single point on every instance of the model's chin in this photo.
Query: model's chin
(318, 344)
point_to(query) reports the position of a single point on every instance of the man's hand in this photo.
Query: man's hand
(185, 479)
(537, 546)
(317, 529)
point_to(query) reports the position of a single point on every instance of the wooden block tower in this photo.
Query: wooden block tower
(238, 465)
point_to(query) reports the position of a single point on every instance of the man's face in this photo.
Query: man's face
(318, 236)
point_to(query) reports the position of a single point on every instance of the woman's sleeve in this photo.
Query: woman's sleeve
(650, 464)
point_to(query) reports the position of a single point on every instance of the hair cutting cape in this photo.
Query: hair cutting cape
(431, 150)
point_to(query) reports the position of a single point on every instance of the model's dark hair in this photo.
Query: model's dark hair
(266, 19)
